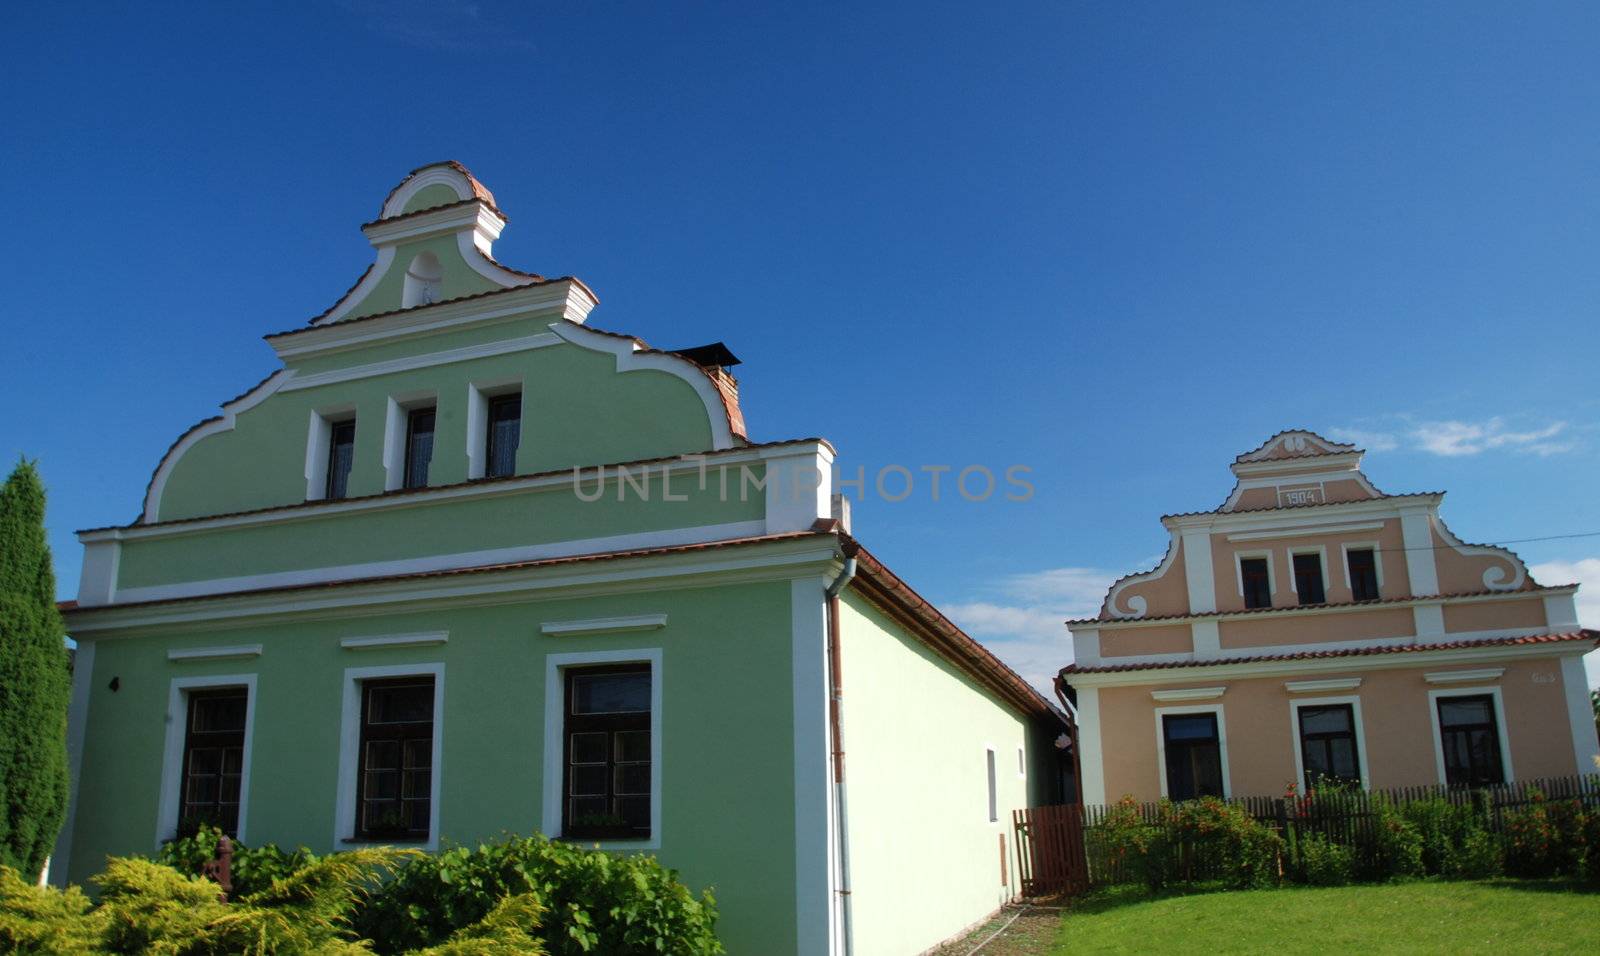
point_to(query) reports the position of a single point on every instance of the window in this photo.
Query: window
(1256, 581)
(419, 447)
(213, 760)
(504, 434)
(341, 455)
(1308, 578)
(1193, 755)
(1470, 737)
(394, 777)
(994, 797)
(1363, 565)
(606, 780)
(1328, 744)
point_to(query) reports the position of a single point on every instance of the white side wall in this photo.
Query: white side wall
(925, 859)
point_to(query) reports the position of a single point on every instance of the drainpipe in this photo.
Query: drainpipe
(836, 727)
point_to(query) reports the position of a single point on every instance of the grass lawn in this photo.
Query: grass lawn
(1425, 917)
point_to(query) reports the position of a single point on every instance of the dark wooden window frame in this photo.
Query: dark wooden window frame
(491, 448)
(337, 483)
(216, 811)
(1309, 589)
(1172, 749)
(1257, 586)
(1323, 740)
(416, 473)
(404, 734)
(1471, 774)
(610, 724)
(1363, 573)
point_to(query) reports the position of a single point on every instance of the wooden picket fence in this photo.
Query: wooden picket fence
(1057, 852)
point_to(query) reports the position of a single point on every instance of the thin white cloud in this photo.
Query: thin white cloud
(451, 26)
(1585, 572)
(1361, 438)
(1022, 617)
(1455, 438)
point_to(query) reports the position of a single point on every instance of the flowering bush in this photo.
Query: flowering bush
(1548, 838)
(1190, 842)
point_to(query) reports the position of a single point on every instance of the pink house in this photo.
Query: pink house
(1315, 626)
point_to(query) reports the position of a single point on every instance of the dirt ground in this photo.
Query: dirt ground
(1030, 935)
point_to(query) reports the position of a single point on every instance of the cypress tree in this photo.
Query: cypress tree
(34, 682)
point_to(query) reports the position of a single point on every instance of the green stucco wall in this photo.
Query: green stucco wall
(463, 526)
(925, 860)
(577, 410)
(727, 733)
(459, 279)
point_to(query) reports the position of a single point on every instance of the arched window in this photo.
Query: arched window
(423, 279)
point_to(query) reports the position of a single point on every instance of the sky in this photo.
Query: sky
(1114, 244)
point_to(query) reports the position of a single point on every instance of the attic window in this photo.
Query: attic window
(424, 279)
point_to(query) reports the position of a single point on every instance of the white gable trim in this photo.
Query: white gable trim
(230, 411)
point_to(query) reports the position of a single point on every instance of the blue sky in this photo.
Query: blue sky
(1115, 243)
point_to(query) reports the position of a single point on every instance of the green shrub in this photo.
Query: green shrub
(1444, 829)
(1396, 849)
(1324, 862)
(1119, 846)
(1482, 856)
(44, 920)
(253, 869)
(594, 902)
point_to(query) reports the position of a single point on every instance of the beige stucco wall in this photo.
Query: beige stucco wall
(1167, 594)
(1489, 615)
(1396, 716)
(1317, 628)
(1464, 573)
(1154, 639)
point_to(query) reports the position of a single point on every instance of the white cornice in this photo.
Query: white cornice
(234, 652)
(1363, 662)
(424, 639)
(1337, 467)
(1321, 686)
(1298, 532)
(757, 561)
(444, 221)
(605, 625)
(1331, 511)
(564, 296)
(1189, 693)
(476, 489)
(1120, 624)
(1476, 675)
(430, 360)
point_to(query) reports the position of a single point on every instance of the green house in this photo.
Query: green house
(466, 565)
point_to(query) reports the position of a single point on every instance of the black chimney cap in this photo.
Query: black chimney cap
(708, 355)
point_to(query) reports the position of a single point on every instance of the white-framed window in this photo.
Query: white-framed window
(493, 435)
(330, 451)
(1329, 740)
(1308, 572)
(1248, 568)
(205, 766)
(1356, 570)
(1192, 751)
(590, 695)
(408, 431)
(391, 758)
(1470, 743)
(994, 785)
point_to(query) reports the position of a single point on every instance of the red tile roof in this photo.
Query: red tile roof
(1583, 635)
(479, 190)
